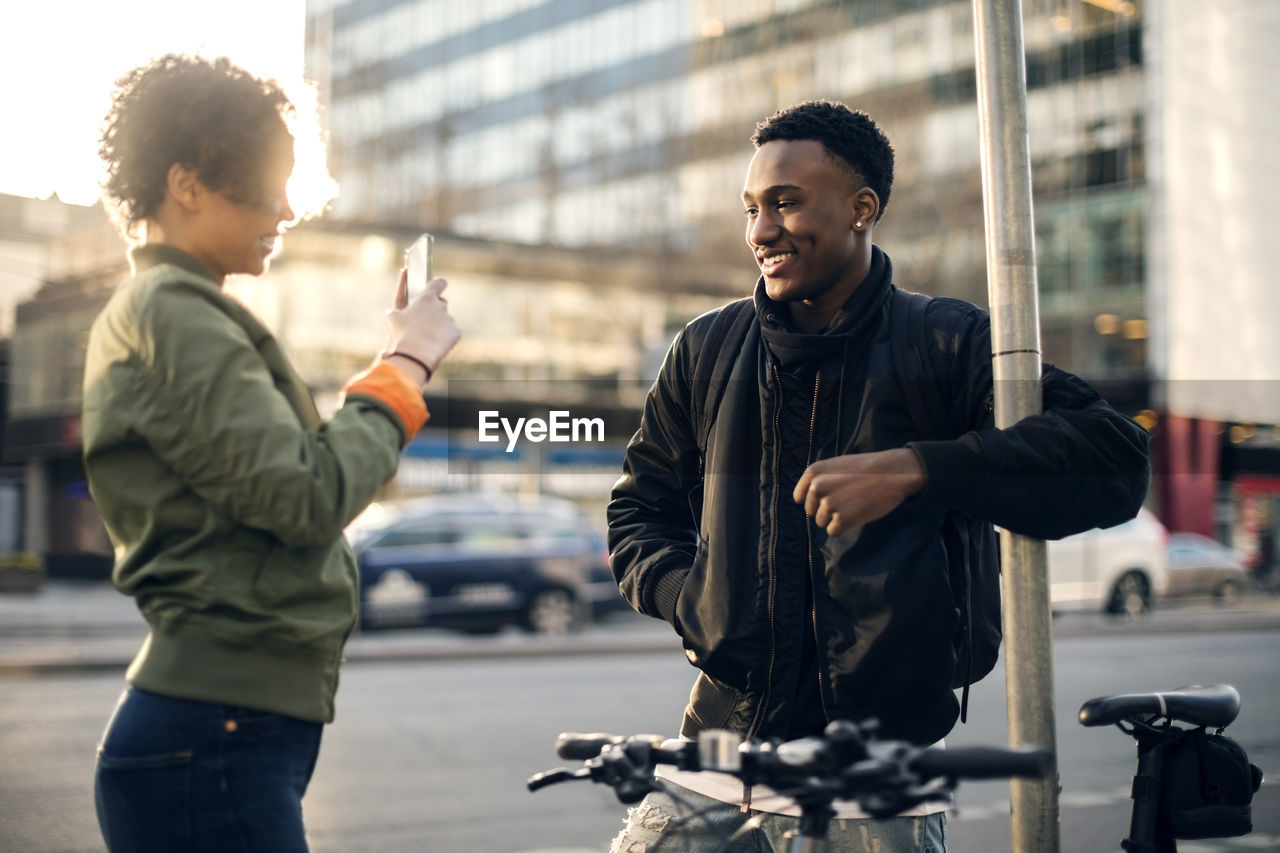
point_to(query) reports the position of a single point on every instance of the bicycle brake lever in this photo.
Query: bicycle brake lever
(631, 791)
(551, 777)
(887, 805)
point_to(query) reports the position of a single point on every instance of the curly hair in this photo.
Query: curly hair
(210, 116)
(850, 136)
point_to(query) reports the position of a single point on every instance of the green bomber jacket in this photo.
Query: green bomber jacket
(224, 492)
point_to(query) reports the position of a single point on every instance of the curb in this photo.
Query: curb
(102, 648)
(1111, 626)
(87, 659)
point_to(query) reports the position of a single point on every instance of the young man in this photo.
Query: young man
(805, 557)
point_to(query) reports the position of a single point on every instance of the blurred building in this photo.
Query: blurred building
(626, 123)
(1213, 181)
(28, 226)
(29, 229)
(581, 162)
(545, 329)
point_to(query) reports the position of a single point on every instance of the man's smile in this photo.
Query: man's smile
(771, 262)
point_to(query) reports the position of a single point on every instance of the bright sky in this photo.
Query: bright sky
(58, 59)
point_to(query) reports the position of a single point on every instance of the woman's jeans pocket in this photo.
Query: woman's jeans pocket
(159, 786)
(197, 777)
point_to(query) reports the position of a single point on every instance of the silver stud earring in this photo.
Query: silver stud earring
(859, 224)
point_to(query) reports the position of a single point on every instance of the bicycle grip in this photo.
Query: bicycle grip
(983, 762)
(576, 746)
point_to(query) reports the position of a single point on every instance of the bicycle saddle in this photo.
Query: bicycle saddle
(1216, 705)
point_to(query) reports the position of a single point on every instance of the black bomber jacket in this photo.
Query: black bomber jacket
(717, 548)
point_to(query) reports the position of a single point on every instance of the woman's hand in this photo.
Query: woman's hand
(421, 332)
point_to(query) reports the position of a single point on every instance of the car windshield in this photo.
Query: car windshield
(476, 531)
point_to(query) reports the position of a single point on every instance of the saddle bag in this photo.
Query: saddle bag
(1206, 787)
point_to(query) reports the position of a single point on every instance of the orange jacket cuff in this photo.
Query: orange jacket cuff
(388, 384)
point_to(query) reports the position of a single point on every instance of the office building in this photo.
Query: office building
(604, 124)
(625, 123)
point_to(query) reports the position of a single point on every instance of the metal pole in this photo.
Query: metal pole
(1015, 352)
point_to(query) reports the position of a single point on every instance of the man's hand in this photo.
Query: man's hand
(848, 491)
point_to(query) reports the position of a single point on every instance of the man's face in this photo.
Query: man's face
(800, 215)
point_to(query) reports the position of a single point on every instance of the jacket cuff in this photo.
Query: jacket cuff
(388, 384)
(950, 468)
(666, 592)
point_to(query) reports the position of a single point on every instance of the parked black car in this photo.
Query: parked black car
(477, 562)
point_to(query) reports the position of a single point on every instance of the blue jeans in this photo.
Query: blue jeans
(689, 822)
(189, 777)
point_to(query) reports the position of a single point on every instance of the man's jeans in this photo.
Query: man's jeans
(694, 823)
(177, 775)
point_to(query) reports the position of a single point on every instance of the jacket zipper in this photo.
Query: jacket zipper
(773, 551)
(813, 583)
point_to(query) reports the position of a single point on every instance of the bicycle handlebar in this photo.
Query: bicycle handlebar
(575, 746)
(846, 762)
(983, 762)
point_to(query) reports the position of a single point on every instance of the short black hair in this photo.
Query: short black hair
(850, 136)
(208, 115)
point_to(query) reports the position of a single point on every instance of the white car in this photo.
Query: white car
(1121, 569)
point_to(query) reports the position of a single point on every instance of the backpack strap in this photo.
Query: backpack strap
(909, 340)
(713, 362)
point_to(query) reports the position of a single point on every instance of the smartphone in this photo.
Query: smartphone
(417, 260)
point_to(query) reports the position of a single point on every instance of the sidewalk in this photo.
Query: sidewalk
(87, 625)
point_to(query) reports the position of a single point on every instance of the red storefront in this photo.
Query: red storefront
(1210, 480)
(1257, 519)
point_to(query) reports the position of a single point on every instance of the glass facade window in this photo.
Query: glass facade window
(1090, 253)
(46, 372)
(581, 74)
(627, 121)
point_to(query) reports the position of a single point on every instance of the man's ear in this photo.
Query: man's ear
(184, 187)
(864, 209)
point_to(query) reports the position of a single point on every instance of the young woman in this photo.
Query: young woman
(224, 492)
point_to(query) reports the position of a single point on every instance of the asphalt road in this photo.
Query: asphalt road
(433, 755)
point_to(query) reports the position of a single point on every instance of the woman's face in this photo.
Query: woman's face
(237, 237)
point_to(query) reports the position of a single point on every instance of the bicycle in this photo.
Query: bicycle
(885, 777)
(847, 762)
(1149, 718)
